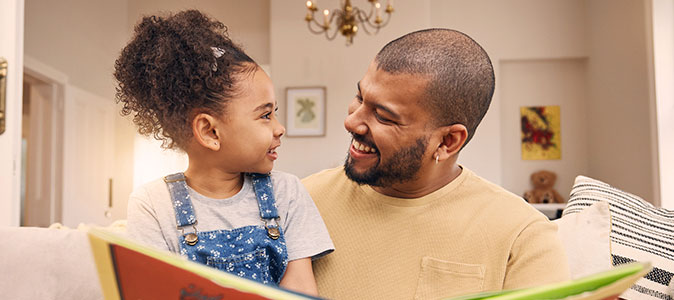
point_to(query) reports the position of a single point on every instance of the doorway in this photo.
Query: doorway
(41, 150)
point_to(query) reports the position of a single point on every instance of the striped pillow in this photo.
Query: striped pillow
(639, 232)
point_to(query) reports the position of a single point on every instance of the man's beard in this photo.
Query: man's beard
(401, 167)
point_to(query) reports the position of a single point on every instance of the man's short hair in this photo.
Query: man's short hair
(460, 73)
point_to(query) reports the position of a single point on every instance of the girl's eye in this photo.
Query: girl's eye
(267, 116)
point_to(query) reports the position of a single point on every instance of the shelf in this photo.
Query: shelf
(550, 210)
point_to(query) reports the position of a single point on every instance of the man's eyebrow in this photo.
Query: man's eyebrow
(264, 106)
(387, 110)
(358, 86)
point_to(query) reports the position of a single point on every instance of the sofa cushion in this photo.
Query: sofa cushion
(41, 263)
(585, 236)
(639, 232)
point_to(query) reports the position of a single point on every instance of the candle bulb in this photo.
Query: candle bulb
(377, 6)
(326, 19)
(309, 4)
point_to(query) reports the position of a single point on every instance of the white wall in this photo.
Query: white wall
(663, 47)
(299, 58)
(152, 162)
(619, 128)
(78, 38)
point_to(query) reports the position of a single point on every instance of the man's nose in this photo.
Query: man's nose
(354, 121)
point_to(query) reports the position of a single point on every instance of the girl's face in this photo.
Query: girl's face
(250, 130)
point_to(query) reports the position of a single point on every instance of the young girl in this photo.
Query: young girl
(188, 85)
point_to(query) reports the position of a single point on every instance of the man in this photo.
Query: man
(407, 220)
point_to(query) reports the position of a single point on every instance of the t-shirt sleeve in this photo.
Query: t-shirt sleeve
(304, 230)
(537, 257)
(142, 223)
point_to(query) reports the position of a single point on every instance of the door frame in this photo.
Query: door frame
(11, 48)
(57, 81)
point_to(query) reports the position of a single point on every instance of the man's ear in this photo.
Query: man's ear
(205, 131)
(451, 138)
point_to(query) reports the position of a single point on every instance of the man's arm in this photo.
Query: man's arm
(536, 257)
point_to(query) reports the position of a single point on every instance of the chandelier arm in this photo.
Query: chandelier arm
(368, 21)
(369, 15)
(335, 13)
(321, 30)
(388, 17)
(330, 38)
(334, 34)
(363, 19)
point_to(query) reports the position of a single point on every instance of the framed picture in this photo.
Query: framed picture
(541, 132)
(305, 111)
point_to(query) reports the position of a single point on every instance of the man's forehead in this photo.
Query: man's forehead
(378, 83)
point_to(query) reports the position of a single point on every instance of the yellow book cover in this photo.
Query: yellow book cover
(128, 270)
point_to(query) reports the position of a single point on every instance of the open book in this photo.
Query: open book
(128, 270)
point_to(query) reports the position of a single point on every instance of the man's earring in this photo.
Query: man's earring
(436, 159)
(215, 143)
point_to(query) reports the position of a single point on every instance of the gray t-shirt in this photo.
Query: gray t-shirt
(151, 219)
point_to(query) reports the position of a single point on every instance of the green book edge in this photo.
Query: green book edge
(596, 286)
(222, 278)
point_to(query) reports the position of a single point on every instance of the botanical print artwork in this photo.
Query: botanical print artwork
(305, 116)
(305, 113)
(541, 132)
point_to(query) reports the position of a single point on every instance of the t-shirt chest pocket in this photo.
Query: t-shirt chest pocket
(440, 278)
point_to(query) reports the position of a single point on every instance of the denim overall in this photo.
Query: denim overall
(256, 252)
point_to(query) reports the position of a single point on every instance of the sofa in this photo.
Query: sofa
(600, 227)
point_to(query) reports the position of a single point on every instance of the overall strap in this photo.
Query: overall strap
(182, 205)
(265, 195)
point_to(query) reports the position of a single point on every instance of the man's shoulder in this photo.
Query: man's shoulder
(497, 197)
(324, 177)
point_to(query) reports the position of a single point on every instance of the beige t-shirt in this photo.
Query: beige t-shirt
(466, 237)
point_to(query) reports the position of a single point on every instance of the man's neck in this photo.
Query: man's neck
(436, 178)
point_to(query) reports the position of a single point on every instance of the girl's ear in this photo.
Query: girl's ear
(205, 131)
(451, 139)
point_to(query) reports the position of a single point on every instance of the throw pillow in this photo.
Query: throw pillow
(639, 232)
(585, 237)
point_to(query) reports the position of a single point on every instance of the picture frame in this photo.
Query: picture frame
(305, 111)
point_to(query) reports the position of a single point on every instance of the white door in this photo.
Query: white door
(11, 50)
(88, 158)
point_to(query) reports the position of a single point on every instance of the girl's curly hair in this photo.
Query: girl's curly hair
(169, 72)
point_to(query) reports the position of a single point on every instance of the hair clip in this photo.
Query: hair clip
(217, 52)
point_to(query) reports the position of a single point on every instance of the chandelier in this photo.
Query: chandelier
(348, 19)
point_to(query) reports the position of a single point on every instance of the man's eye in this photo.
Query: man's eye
(267, 116)
(382, 119)
(360, 98)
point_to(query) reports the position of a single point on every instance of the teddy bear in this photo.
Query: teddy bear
(543, 192)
